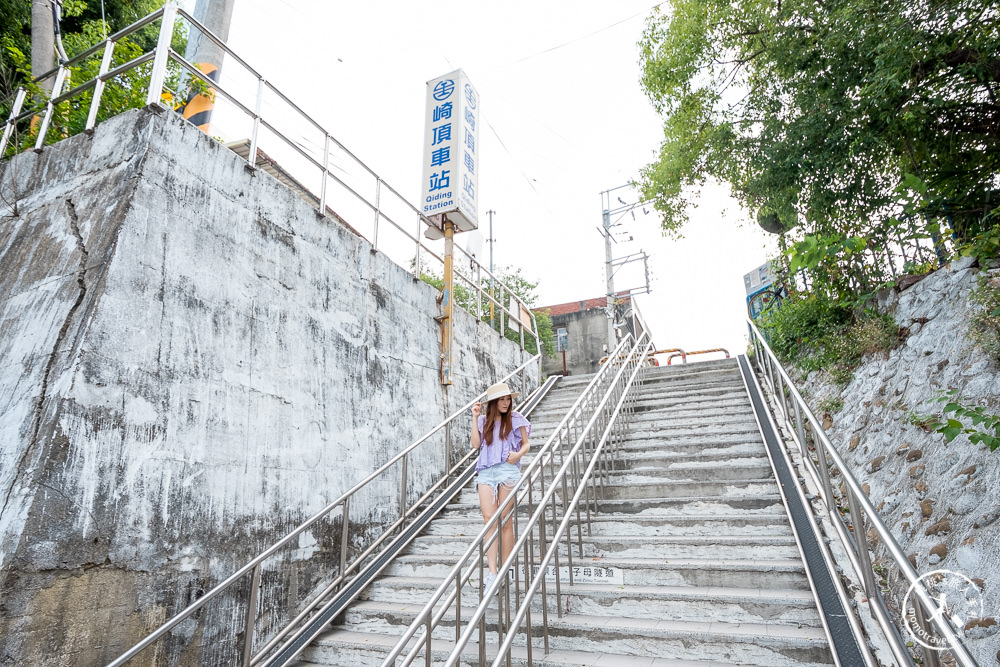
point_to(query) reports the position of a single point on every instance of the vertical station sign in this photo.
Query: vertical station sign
(451, 154)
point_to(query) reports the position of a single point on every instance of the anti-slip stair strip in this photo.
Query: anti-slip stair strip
(844, 642)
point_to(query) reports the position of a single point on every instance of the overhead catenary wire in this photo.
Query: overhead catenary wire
(583, 37)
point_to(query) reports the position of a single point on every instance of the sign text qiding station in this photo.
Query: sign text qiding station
(451, 154)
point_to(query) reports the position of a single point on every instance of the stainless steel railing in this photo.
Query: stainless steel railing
(317, 159)
(396, 470)
(569, 470)
(807, 432)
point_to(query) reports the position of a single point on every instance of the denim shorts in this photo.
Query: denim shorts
(507, 474)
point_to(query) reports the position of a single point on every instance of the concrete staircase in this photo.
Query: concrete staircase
(691, 522)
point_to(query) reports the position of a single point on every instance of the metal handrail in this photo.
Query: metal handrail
(593, 401)
(162, 55)
(606, 417)
(342, 501)
(303, 624)
(798, 418)
(482, 541)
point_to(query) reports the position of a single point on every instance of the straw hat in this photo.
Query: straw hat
(499, 390)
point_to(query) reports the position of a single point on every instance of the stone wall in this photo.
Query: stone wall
(194, 361)
(941, 500)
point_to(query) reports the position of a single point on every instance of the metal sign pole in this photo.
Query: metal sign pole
(447, 300)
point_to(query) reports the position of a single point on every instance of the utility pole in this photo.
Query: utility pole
(207, 56)
(609, 272)
(43, 42)
(610, 262)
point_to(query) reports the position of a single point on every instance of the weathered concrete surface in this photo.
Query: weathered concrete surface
(193, 362)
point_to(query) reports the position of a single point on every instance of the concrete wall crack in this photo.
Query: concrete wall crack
(22, 468)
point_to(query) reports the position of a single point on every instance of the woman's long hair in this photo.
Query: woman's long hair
(493, 415)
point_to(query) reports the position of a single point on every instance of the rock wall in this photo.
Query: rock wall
(941, 500)
(194, 362)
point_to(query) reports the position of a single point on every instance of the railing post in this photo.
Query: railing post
(325, 174)
(378, 198)
(402, 487)
(861, 540)
(479, 292)
(824, 470)
(95, 102)
(931, 656)
(416, 258)
(251, 617)
(50, 108)
(448, 448)
(255, 131)
(798, 429)
(346, 521)
(159, 73)
(8, 129)
(779, 390)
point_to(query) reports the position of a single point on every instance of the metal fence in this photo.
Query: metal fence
(559, 488)
(241, 590)
(821, 462)
(327, 173)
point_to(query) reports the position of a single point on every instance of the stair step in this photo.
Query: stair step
(625, 525)
(343, 648)
(704, 565)
(712, 603)
(743, 643)
(736, 572)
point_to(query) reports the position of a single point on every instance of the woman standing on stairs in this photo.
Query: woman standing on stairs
(501, 436)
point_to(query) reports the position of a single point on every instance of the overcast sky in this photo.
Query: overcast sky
(563, 118)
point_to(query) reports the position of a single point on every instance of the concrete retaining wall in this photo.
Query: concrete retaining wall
(193, 362)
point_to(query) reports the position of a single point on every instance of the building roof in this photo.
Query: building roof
(577, 306)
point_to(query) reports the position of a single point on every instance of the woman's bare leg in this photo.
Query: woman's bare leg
(488, 505)
(507, 533)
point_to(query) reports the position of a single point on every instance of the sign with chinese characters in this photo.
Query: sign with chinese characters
(584, 574)
(451, 154)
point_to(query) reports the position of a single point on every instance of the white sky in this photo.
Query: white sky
(559, 85)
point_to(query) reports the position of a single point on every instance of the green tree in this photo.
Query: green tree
(823, 115)
(516, 282)
(81, 27)
(80, 19)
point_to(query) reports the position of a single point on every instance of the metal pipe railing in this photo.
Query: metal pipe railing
(163, 56)
(534, 472)
(533, 535)
(342, 501)
(591, 446)
(798, 419)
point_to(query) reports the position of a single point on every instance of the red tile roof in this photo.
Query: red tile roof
(577, 306)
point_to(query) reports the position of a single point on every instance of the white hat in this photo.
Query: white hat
(499, 390)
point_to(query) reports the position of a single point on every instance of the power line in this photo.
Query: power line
(518, 166)
(588, 35)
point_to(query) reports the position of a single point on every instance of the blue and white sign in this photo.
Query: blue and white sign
(451, 154)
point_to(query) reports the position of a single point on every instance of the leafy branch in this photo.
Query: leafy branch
(984, 429)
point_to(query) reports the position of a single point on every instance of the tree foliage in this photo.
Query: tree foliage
(81, 28)
(516, 283)
(852, 119)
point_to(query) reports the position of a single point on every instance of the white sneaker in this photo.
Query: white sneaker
(488, 581)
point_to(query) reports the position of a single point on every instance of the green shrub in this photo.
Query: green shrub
(985, 324)
(817, 332)
(832, 404)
